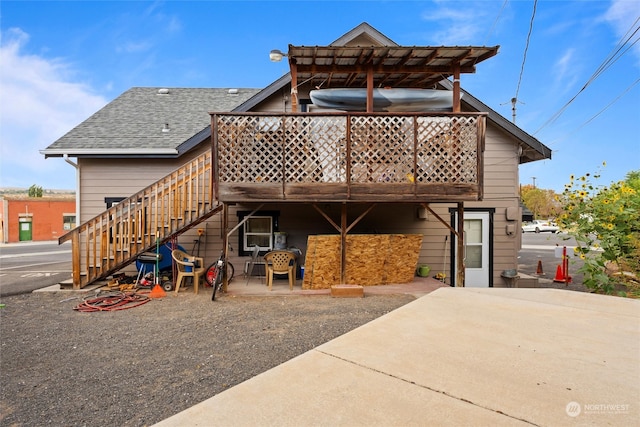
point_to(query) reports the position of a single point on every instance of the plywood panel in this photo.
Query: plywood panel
(375, 259)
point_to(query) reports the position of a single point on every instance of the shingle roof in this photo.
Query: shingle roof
(133, 123)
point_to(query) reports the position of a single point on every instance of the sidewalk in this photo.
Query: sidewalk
(457, 356)
(31, 243)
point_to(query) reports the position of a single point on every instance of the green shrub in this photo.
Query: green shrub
(605, 222)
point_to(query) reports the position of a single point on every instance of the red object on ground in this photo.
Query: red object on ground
(157, 292)
(539, 269)
(559, 275)
(562, 272)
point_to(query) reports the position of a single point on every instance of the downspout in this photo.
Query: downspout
(75, 165)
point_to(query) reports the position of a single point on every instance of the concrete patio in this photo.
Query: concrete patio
(456, 356)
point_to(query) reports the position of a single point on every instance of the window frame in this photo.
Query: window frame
(242, 249)
(72, 224)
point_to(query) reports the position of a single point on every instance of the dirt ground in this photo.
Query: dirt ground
(138, 366)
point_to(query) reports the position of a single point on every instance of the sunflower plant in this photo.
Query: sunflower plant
(605, 221)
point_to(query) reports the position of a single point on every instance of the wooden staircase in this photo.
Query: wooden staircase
(114, 239)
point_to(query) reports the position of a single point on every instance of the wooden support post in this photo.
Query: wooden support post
(343, 244)
(213, 186)
(461, 253)
(456, 87)
(294, 84)
(75, 260)
(369, 90)
(225, 244)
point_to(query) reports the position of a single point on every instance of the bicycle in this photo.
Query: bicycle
(213, 275)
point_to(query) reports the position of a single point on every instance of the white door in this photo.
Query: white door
(476, 236)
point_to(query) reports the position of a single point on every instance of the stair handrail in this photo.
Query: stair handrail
(189, 185)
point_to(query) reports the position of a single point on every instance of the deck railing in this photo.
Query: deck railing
(108, 242)
(348, 156)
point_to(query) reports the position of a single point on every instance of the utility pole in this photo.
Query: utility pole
(534, 181)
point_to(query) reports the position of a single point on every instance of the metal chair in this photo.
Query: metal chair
(280, 262)
(252, 263)
(188, 266)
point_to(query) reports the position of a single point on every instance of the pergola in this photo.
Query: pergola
(383, 66)
(386, 66)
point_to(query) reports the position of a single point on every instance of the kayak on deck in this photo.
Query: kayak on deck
(392, 100)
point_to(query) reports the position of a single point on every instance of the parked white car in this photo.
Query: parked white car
(540, 226)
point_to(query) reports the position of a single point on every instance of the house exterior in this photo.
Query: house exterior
(149, 140)
(26, 219)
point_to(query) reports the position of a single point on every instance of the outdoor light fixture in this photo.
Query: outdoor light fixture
(276, 55)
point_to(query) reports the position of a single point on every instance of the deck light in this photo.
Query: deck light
(276, 55)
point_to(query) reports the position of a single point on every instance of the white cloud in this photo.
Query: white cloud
(565, 72)
(134, 47)
(622, 15)
(41, 102)
(457, 26)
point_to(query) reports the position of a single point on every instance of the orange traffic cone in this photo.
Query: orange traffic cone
(157, 292)
(559, 275)
(539, 269)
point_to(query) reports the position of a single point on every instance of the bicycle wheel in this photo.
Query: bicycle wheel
(230, 271)
(217, 283)
(210, 274)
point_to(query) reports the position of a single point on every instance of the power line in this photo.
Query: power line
(515, 99)
(495, 23)
(598, 113)
(611, 59)
(609, 104)
(526, 48)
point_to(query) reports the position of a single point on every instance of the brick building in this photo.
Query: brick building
(35, 218)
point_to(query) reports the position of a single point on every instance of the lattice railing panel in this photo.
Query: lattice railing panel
(315, 149)
(250, 149)
(378, 148)
(447, 150)
(382, 149)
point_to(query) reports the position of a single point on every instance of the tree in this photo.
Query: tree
(605, 222)
(541, 202)
(35, 191)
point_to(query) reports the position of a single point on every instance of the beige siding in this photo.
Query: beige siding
(501, 190)
(100, 178)
(121, 178)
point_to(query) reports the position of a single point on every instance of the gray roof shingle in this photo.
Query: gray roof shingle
(133, 122)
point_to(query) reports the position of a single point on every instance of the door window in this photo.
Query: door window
(473, 235)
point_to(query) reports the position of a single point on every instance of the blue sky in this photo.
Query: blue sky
(62, 61)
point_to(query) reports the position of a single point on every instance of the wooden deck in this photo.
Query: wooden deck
(348, 157)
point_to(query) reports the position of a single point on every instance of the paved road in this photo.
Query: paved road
(542, 247)
(25, 267)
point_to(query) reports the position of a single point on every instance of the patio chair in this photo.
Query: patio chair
(188, 266)
(252, 262)
(280, 262)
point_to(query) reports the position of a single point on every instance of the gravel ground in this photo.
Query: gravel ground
(138, 366)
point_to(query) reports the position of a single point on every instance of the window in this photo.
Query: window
(68, 221)
(257, 230)
(112, 201)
